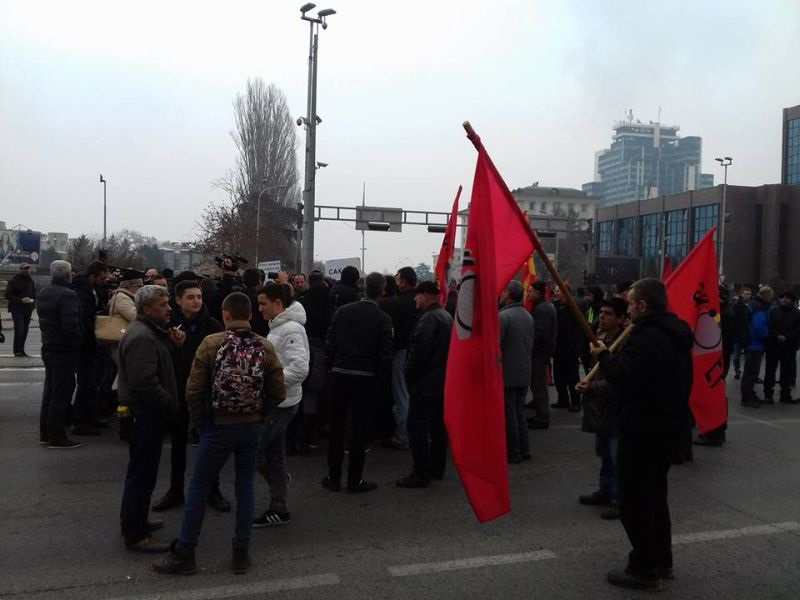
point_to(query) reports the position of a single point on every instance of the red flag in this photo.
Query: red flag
(444, 263)
(694, 296)
(666, 269)
(528, 279)
(498, 241)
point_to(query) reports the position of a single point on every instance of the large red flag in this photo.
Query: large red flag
(694, 296)
(498, 240)
(444, 263)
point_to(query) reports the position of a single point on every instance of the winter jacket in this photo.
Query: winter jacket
(429, 344)
(196, 328)
(59, 313)
(516, 344)
(257, 323)
(341, 294)
(758, 329)
(785, 321)
(318, 310)
(546, 327)
(21, 286)
(146, 375)
(742, 316)
(288, 335)
(122, 303)
(359, 340)
(601, 402)
(570, 339)
(198, 387)
(91, 306)
(404, 315)
(653, 373)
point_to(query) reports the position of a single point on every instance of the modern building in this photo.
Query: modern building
(629, 238)
(646, 160)
(790, 163)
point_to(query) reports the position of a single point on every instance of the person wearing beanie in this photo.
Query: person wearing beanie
(781, 348)
(346, 289)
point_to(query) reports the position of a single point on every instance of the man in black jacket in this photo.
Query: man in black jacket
(345, 290)
(653, 373)
(544, 345)
(358, 353)
(253, 281)
(21, 296)
(781, 348)
(425, 370)
(742, 315)
(566, 357)
(59, 319)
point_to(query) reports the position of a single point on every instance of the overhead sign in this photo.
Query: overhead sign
(270, 266)
(333, 267)
(17, 247)
(377, 215)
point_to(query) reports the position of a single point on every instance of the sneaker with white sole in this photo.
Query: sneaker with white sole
(271, 517)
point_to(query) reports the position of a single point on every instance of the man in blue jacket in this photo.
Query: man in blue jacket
(758, 332)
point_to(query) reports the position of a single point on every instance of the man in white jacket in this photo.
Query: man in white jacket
(288, 335)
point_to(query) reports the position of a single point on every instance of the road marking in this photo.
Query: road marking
(247, 589)
(25, 383)
(5, 369)
(727, 534)
(754, 420)
(470, 563)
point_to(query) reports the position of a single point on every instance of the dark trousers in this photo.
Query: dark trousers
(87, 394)
(784, 355)
(179, 439)
(752, 367)
(426, 435)
(517, 440)
(541, 398)
(59, 384)
(565, 376)
(644, 461)
(140, 479)
(21, 315)
(352, 398)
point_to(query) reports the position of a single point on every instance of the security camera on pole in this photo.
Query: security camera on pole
(311, 120)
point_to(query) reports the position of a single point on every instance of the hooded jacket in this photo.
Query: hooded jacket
(288, 335)
(653, 373)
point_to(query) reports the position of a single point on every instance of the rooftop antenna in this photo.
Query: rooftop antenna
(659, 114)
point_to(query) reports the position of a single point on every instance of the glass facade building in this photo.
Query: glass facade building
(791, 151)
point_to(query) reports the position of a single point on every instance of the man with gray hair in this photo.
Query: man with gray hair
(59, 313)
(148, 386)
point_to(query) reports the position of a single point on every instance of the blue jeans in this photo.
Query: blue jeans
(400, 397)
(272, 454)
(21, 315)
(216, 444)
(607, 448)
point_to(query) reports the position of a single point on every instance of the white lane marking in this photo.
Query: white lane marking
(26, 383)
(5, 369)
(727, 534)
(470, 563)
(248, 589)
(754, 420)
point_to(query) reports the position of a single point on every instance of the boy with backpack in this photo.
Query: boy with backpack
(234, 375)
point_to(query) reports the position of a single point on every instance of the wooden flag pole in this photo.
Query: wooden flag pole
(617, 342)
(587, 329)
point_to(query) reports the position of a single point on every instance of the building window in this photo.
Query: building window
(705, 217)
(677, 233)
(793, 152)
(625, 229)
(650, 239)
(605, 237)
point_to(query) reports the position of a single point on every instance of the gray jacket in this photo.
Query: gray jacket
(146, 374)
(516, 344)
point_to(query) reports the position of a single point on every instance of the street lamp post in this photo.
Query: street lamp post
(724, 163)
(311, 120)
(103, 181)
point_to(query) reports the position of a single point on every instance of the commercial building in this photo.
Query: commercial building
(790, 163)
(646, 160)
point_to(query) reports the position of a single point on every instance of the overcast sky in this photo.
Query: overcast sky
(141, 92)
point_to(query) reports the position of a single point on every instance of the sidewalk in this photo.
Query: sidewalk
(9, 361)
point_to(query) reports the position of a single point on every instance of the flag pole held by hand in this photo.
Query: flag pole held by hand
(617, 342)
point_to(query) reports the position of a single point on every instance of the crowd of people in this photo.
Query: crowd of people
(261, 369)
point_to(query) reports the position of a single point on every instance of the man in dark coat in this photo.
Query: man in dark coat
(653, 373)
(742, 319)
(59, 319)
(21, 296)
(425, 370)
(781, 348)
(345, 290)
(253, 281)
(544, 345)
(566, 357)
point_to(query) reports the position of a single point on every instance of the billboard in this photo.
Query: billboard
(17, 247)
(334, 266)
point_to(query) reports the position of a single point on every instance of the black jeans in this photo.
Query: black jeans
(517, 440)
(784, 355)
(565, 376)
(353, 397)
(426, 435)
(752, 367)
(87, 395)
(140, 479)
(541, 397)
(644, 461)
(59, 384)
(21, 315)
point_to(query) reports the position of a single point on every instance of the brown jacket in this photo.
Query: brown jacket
(198, 387)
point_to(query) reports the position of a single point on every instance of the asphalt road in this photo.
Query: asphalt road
(736, 523)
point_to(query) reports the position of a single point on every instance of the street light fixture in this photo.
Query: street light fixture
(310, 122)
(103, 181)
(724, 163)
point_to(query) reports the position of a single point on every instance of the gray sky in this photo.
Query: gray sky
(142, 93)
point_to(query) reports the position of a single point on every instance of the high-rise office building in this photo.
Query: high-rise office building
(790, 165)
(646, 160)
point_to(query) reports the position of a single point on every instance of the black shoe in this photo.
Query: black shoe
(598, 498)
(666, 573)
(535, 423)
(21, 355)
(361, 487)
(171, 499)
(63, 444)
(574, 409)
(218, 502)
(271, 517)
(635, 581)
(241, 560)
(177, 562)
(704, 440)
(84, 430)
(331, 484)
(611, 513)
(414, 481)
